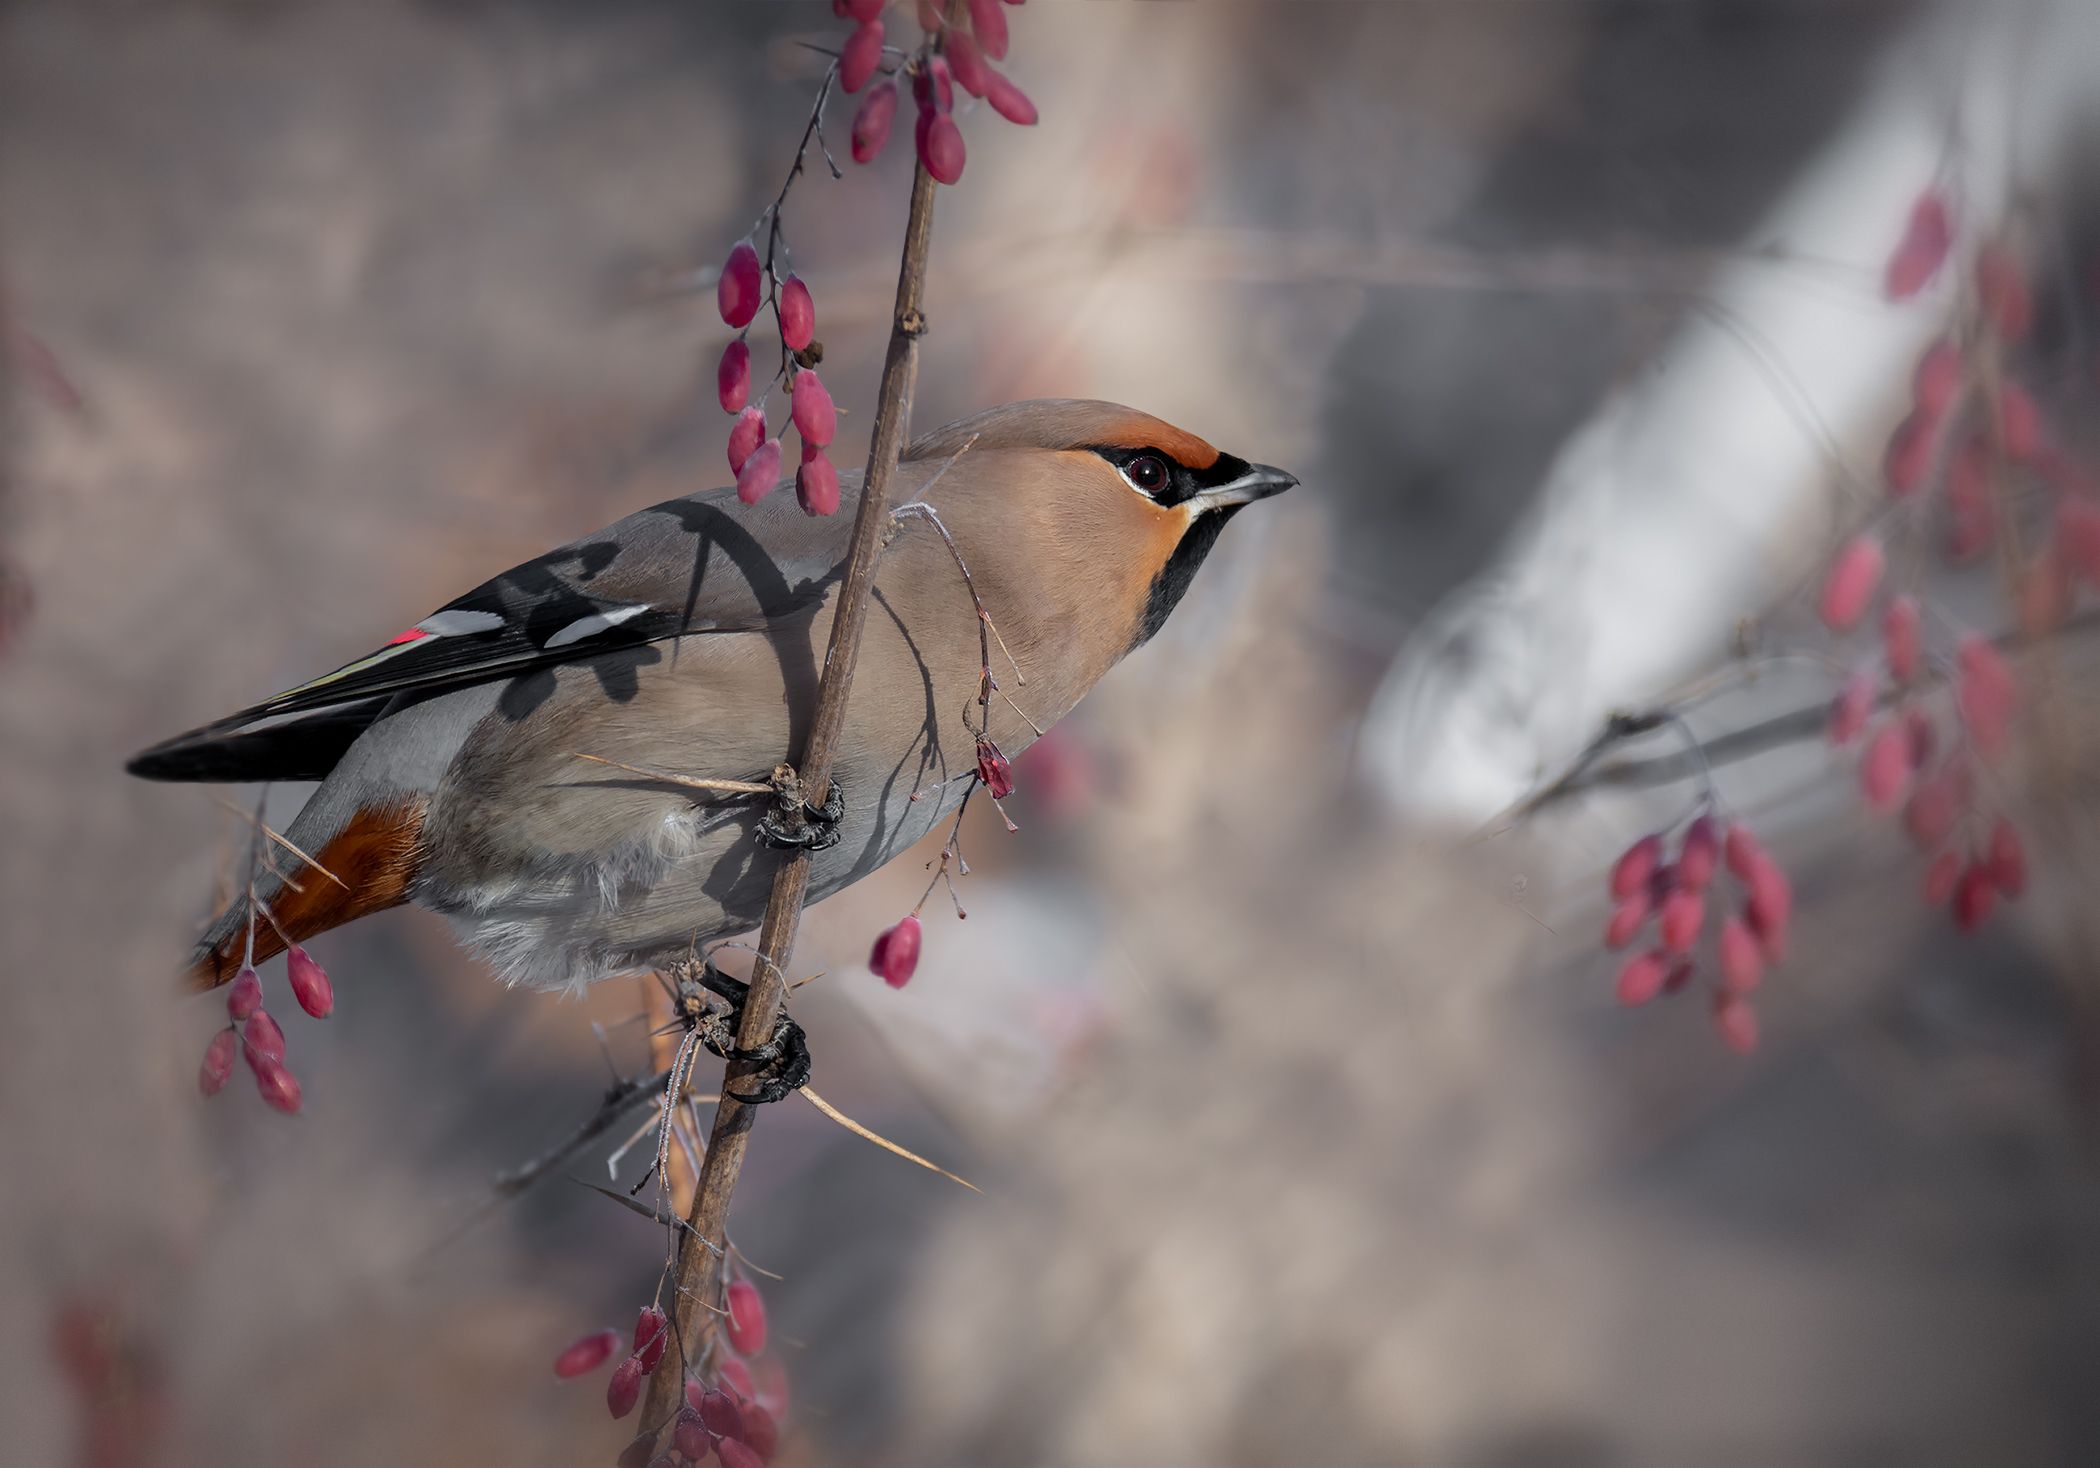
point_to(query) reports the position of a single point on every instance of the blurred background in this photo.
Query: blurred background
(1308, 1127)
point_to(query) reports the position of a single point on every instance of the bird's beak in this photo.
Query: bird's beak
(1258, 483)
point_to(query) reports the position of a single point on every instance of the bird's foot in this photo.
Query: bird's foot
(783, 1060)
(812, 828)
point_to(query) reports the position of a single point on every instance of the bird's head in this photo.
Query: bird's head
(1134, 500)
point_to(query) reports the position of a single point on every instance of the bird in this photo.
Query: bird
(521, 760)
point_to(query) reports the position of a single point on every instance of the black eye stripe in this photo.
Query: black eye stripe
(1182, 483)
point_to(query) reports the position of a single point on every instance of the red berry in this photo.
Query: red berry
(994, 769)
(1742, 963)
(1940, 878)
(2002, 290)
(1744, 853)
(1937, 382)
(244, 995)
(933, 86)
(1851, 709)
(816, 419)
(941, 147)
(310, 984)
(1699, 855)
(1929, 813)
(278, 1086)
(737, 292)
(1885, 768)
(746, 1327)
(745, 437)
(218, 1062)
(735, 1376)
(1683, 916)
(1770, 911)
(1641, 979)
(261, 1039)
(861, 10)
(817, 483)
(738, 1455)
(733, 376)
(798, 314)
(1908, 458)
(895, 955)
(761, 472)
(1975, 893)
(649, 1323)
(689, 1435)
(720, 1412)
(989, 22)
(1854, 575)
(625, 1388)
(861, 55)
(1985, 694)
(1922, 250)
(1009, 101)
(2008, 859)
(967, 62)
(1736, 1021)
(761, 1432)
(1626, 920)
(871, 124)
(1636, 864)
(1901, 627)
(587, 1354)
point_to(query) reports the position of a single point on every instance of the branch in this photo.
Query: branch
(1589, 771)
(699, 1270)
(621, 1098)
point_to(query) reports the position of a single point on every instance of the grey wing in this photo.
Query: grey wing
(688, 566)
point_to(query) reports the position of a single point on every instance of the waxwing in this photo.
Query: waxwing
(686, 640)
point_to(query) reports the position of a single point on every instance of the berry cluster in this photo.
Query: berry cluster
(252, 1032)
(950, 56)
(1976, 466)
(747, 284)
(735, 1419)
(1678, 897)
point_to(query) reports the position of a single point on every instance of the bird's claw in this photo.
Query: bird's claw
(817, 829)
(783, 1060)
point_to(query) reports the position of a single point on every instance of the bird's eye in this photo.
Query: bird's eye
(1147, 472)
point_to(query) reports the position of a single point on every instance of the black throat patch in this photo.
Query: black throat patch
(1172, 582)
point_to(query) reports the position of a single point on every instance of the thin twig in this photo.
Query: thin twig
(698, 1275)
(881, 1141)
(1589, 771)
(986, 629)
(688, 782)
(270, 834)
(623, 1097)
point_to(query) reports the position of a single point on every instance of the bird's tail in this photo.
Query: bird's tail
(361, 864)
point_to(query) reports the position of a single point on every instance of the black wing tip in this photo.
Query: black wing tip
(176, 759)
(227, 754)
